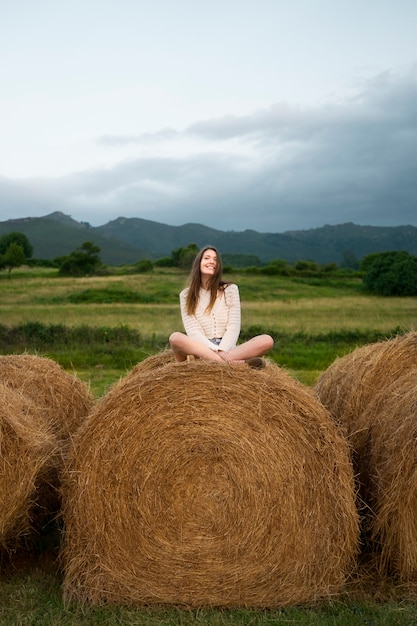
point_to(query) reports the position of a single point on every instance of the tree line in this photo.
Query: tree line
(383, 273)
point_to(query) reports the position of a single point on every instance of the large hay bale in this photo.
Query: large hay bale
(63, 401)
(208, 485)
(371, 393)
(26, 449)
(63, 397)
(390, 491)
(351, 382)
(153, 362)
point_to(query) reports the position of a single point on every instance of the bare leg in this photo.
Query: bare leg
(257, 346)
(182, 345)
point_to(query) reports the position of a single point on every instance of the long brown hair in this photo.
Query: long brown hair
(194, 281)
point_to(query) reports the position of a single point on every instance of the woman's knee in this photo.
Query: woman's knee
(175, 338)
(267, 341)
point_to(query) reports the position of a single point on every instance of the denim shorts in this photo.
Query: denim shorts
(216, 340)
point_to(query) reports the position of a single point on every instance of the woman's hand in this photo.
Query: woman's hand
(225, 356)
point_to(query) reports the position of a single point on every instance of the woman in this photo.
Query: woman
(210, 310)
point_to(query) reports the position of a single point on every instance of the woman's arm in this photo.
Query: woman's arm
(232, 301)
(192, 326)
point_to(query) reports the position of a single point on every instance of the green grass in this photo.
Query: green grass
(94, 351)
(125, 317)
(101, 327)
(35, 599)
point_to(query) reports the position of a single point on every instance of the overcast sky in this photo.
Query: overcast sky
(272, 115)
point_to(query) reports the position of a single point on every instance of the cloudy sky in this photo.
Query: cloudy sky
(272, 115)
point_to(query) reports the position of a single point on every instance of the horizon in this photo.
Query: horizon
(121, 217)
(245, 115)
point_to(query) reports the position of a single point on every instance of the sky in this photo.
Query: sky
(268, 115)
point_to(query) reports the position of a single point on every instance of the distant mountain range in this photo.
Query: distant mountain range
(124, 241)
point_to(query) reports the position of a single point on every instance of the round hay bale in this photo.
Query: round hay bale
(369, 392)
(208, 485)
(26, 449)
(64, 399)
(154, 362)
(351, 382)
(390, 491)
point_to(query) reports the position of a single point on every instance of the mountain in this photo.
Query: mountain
(127, 240)
(58, 235)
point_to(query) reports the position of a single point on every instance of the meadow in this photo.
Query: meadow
(100, 327)
(312, 320)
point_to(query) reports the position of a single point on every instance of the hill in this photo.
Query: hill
(127, 240)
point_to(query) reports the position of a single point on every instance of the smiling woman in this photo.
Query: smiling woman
(210, 310)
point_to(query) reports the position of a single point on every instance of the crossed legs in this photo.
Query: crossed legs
(182, 345)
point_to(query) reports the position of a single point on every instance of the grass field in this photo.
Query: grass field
(282, 304)
(313, 321)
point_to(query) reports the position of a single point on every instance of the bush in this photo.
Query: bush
(107, 296)
(144, 265)
(391, 274)
(306, 266)
(84, 261)
(36, 334)
(13, 257)
(17, 238)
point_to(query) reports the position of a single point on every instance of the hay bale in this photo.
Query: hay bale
(351, 382)
(390, 491)
(63, 397)
(63, 401)
(371, 393)
(26, 449)
(154, 362)
(208, 485)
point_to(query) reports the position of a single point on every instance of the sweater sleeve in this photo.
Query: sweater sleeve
(191, 324)
(232, 301)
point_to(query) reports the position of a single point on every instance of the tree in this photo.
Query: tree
(18, 238)
(306, 266)
(349, 260)
(180, 257)
(368, 260)
(276, 267)
(184, 257)
(144, 265)
(391, 273)
(13, 257)
(84, 261)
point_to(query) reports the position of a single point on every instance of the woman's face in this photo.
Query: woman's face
(208, 263)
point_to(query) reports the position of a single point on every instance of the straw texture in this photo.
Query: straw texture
(41, 407)
(372, 394)
(153, 362)
(391, 488)
(26, 448)
(203, 484)
(63, 397)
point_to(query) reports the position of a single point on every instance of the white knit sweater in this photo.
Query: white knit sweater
(222, 321)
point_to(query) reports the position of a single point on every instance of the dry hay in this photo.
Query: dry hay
(63, 401)
(26, 449)
(208, 485)
(63, 397)
(163, 358)
(154, 362)
(391, 488)
(150, 364)
(372, 394)
(351, 382)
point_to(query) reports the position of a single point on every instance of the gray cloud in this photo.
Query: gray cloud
(167, 134)
(296, 168)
